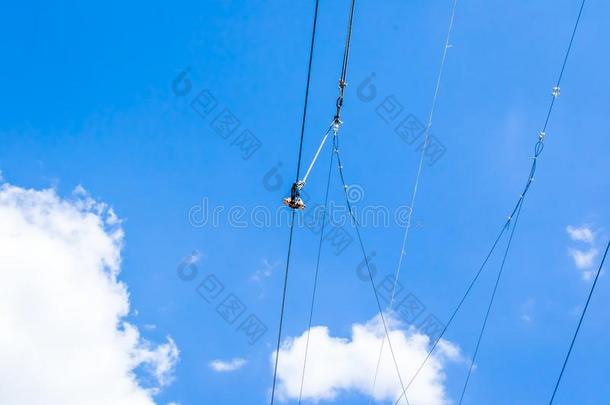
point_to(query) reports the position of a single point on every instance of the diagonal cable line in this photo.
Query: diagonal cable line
(283, 305)
(491, 301)
(538, 150)
(315, 282)
(295, 201)
(539, 147)
(366, 260)
(416, 183)
(582, 316)
(457, 308)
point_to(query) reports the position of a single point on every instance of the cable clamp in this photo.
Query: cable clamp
(336, 124)
(556, 91)
(541, 135)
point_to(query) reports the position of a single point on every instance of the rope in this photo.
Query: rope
(283, 305)
(366, 260)
(416, 184)
(316, 156)
(315, 282)
(582, 316)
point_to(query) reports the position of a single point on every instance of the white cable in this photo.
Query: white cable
(416, 185)
(316, 156)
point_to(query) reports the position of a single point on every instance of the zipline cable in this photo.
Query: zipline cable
(315, 282)
(366, 261)
(335, 126)
(538, 150)
(416, 183)
(582, 316)
(295, 200)
(283, 305)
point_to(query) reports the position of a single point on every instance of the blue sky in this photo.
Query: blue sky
(90, 101)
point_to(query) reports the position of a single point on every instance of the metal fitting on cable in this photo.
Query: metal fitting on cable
(541, 135)
(556, 91)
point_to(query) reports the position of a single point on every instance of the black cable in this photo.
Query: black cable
(366, 260)
(315, 282)
(539, 147)
(565, 61)
(491, 301)
(343, 77)
(348, 41)
(279, 335)
(311, 48)
(582, 316)
(538, 150)
(456, 310)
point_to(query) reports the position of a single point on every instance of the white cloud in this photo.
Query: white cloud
(221, 366)
(337, 365)
(64, 337)
(584, 259)
(265, 271)
(581, 234)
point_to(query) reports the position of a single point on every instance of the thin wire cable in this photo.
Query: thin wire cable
(565, 61)
(346, 51)
(538, 150)
(283, 305)
(348, 41)
(539, 147)
(416, 184)
(366, 260)
(457, 308)
(339, 105)
(582, 316)
(279, 335)
(307, 86)
(315, 282)
(490, 305)
(520, 204)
